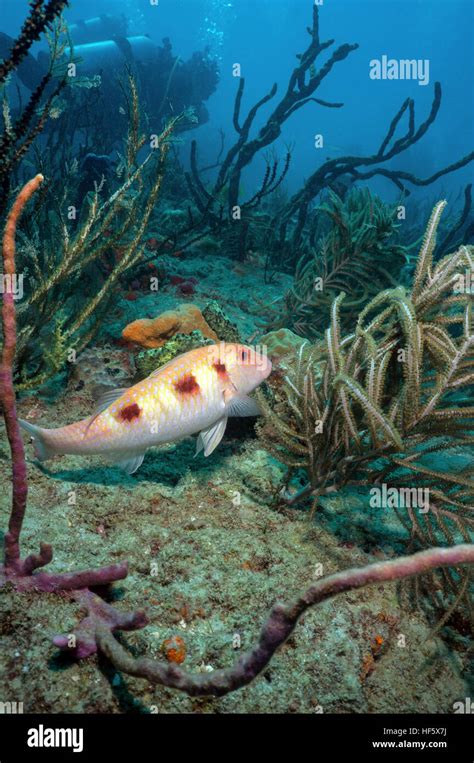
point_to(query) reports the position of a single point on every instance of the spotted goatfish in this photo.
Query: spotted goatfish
(195, 392)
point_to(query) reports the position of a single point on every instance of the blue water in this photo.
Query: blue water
(263, 36)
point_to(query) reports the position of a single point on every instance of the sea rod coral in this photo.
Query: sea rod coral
(96, 631)
(14, 569)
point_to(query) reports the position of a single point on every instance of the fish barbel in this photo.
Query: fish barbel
(194, 392)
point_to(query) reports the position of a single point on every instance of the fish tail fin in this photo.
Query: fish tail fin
(43, 450)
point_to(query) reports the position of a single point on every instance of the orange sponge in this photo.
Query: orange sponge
(152, 333)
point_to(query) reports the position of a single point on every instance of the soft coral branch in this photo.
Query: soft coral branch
(83, 641)
(7, 392)
(15, 569)
(278, 626)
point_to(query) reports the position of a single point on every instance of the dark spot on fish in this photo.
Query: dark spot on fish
(130, 412)
(220, 369)
(187, 385)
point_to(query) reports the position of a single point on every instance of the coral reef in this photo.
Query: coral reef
(378, 405)
(263, 579)
(154, 332)
(97, 630)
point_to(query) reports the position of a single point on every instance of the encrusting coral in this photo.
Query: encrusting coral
(375, 405)
(216, 318)
(96, 631)
(149, 360)
(153, 333)
(281, 342)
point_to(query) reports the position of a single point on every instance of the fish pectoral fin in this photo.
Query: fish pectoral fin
(210, 438)
(128, 462)
(242, 405)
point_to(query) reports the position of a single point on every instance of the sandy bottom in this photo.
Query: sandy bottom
(208, 556)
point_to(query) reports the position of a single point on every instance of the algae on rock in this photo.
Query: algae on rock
(148, 361)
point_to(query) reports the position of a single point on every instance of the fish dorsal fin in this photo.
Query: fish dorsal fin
(107, 399)
(168, 364)
(242, 405)
(128, 462)
(162, 368)
(173, 360)
(210, 438)
(104, 401)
